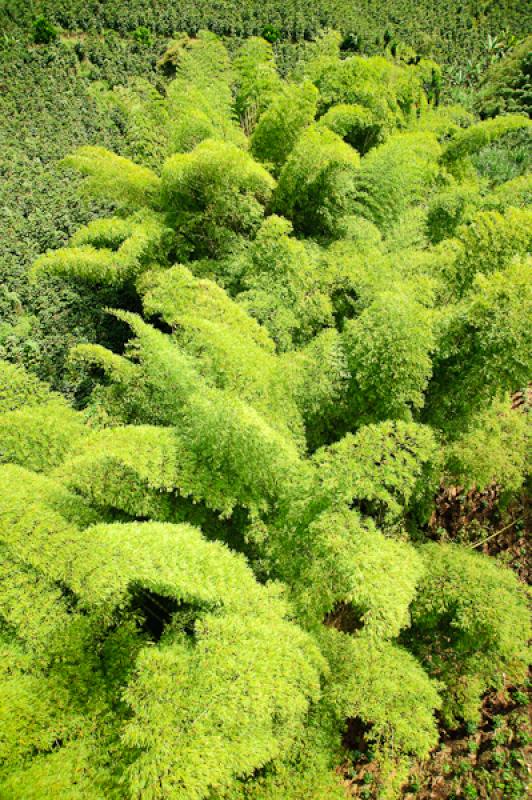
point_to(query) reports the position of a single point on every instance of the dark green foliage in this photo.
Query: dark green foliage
(271, 34)
(477, 136)
(506, 86)
(506, 159)
(456, 33)
(42, 207)
(43, 31)
(141, 113)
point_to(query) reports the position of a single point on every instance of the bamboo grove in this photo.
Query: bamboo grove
(218, 559)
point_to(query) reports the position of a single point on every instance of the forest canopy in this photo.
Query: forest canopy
(312, 305)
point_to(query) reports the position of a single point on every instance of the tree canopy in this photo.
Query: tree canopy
(218, 557)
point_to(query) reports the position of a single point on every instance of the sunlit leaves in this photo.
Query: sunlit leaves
(300, 283)
(115, 178)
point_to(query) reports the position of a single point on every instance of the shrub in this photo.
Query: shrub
(143, 36)
(476, 603)
(43, 31)
(271, 34)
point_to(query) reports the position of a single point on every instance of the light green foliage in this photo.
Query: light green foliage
(110, 251)
(91, 264)
(357, 125)
(230, 349)
(33, 607)
(246, 668)
(497, 310)
(150, 387)
(37, 426)
(444, 121)
(241, 698)
(357, 566)
(115, 178)
(39, 437)
(146, 118)
(317, 298)
(430, 75)
(359, 235)
(316, 181)
(215, 192)
(19, 388)
(45, 490)
(307, 775)
(257, 80)
(279, 127)
(375, 83)
(110, 232)
(285, 287)
(495, 447)
(388, 690)
(184, 301)
(320, 52)
(79, 770)
(516, 192)
(468, 606)
(115, 558)
(477, 136)
(388, 351)
(320, 380)
(408, 238)
(218, 436)
(383, 469)
(204, 63)
(130, 468)
(485, 346)
(199, 98)
(394, 176)
(490, 241)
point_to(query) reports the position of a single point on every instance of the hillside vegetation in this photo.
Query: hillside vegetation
(454, 31)
(253, 318)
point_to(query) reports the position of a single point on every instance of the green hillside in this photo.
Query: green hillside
(264, 420)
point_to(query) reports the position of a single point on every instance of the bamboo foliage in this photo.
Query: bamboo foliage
(218, 556)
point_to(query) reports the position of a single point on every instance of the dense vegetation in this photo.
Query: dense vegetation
(455, 32)
(271, 312)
